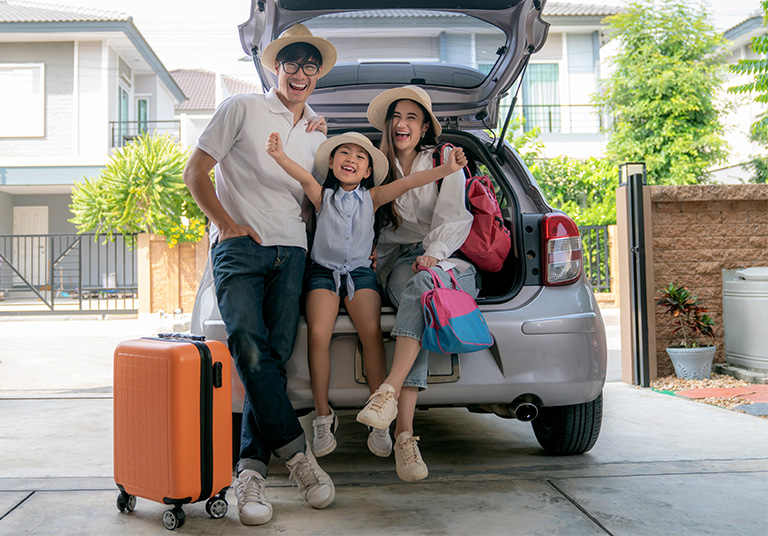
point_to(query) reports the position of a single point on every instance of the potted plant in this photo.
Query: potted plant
(693, 356)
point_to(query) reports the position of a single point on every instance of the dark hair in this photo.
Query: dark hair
(389, 213)
(300, 52)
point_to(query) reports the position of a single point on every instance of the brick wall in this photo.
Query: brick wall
(698, 231)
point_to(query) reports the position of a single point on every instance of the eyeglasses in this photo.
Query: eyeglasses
(291, 67)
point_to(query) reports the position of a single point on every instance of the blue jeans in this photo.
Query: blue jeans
(258, 290)
(404, 289)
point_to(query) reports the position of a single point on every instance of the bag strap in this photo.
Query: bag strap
(439, 282)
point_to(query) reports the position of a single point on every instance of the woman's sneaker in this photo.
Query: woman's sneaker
(408, 460)
(380, 442)
(315, 486)
(324, 440)
(252, 503)
(381, 408)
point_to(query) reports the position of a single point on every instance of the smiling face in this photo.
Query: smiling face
(350, 164)
(408, 124)
(294, 89)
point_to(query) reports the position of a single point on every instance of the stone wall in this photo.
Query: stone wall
(699, 231)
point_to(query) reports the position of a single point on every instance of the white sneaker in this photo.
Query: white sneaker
(380, 442)
(252, 503)
(408, 460)
(381, 408)
(314, 484)
(324, 440)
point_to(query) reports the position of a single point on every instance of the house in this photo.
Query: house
(744, 108)
(205, 91)
(75, 84)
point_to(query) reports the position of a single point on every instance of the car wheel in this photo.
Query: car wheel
(571, 429)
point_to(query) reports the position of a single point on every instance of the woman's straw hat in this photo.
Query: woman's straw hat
(377, 110)
(323, 157)
(298, 33)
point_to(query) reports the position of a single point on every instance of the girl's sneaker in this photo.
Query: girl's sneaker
(408, 460)
(381, 408)
(324, 440)
(380, 442)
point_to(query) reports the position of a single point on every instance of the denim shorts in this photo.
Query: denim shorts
(322, 277)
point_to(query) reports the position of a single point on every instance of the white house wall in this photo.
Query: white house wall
(92, 103)
(59, 81)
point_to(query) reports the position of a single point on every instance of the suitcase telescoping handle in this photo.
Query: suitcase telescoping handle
(217, 366)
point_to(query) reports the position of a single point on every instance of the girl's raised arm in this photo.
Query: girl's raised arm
(389, 192)
(312, 188)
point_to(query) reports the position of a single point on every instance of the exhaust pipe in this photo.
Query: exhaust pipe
(525, 411)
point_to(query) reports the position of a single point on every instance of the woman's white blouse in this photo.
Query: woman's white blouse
(440, 221)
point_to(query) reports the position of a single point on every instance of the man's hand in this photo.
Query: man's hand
(423, 260)
(274, 146)
(234, 230)
(317, 123)
(456, 159)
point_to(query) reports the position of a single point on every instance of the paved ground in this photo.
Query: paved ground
(663, 465)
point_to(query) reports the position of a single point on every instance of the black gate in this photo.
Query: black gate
(596, 256)
(68, 273)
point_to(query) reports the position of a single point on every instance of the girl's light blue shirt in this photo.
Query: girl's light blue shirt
(344, 235)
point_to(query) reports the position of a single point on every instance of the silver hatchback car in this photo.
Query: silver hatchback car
(548, 365)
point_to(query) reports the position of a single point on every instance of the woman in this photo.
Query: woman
(423, 227)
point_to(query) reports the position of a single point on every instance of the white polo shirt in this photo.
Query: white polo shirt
(251, 186)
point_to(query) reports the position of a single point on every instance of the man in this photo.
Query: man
(258, 252)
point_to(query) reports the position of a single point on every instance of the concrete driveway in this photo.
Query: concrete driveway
(662, 465)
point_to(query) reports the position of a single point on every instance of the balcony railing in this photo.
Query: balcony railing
(123, 132)
(562, 118)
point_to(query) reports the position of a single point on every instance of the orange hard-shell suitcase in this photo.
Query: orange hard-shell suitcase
(173, 424)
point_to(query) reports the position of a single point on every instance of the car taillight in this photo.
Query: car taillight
(562, 250)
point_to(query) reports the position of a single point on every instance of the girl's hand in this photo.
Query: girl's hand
(274, 146)
(456, 159)
(317, 123)
(423, 260)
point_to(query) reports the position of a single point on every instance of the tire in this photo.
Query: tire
(170, 521)
(567, 430)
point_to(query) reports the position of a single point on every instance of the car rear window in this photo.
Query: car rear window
(409, 46)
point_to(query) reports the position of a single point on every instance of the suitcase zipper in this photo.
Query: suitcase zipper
(206, 420)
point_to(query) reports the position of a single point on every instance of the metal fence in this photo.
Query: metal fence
(596, 256)
(123, 132)
(68, 273)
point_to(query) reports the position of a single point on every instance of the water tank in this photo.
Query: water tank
(745, 312)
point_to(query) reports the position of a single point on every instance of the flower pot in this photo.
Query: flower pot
(692, 363)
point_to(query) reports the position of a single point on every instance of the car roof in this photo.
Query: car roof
(465, 53)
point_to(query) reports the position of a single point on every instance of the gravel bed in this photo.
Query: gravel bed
(673, 383)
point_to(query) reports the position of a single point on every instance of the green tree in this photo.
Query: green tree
(583, 189)
(759, 85)
(140, 190)
(662, 93)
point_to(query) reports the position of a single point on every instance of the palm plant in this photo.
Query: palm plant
(688, 315)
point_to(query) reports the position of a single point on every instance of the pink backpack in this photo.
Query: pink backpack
(489, 241)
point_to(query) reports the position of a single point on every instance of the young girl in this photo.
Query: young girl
(341, 267)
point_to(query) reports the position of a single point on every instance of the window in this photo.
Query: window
(122, 111)
(22, 100)
(142, 113)
(541, 97)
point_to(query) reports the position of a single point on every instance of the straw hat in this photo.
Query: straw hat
(323, 156)
(298, 33)
(377, 110)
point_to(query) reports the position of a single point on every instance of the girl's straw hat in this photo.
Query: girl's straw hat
(377, 110)
(298, 33)
(380, 163)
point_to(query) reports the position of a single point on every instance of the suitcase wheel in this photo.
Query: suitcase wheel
(175, 518)
(216, 507)
(126, 502)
